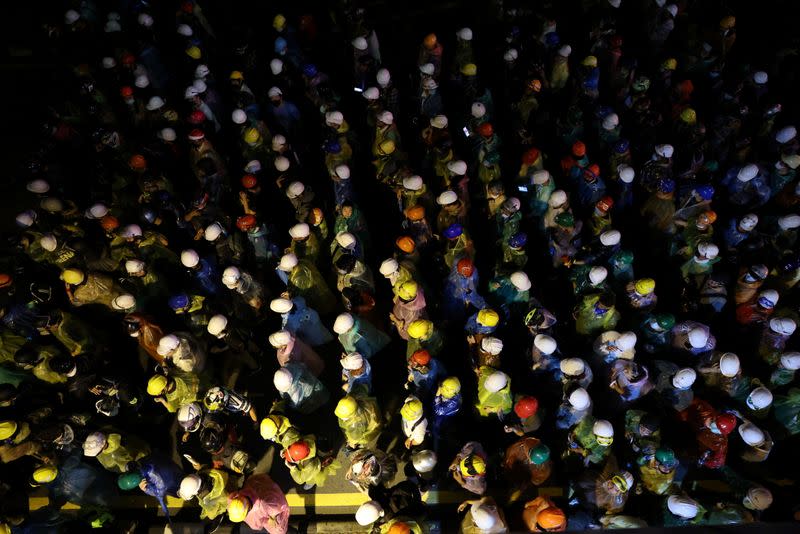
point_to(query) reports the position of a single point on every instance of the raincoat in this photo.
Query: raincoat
(269, 511)
(304, 322)
(364, 425)
(492, 403)
(307, 393)
(363, 338)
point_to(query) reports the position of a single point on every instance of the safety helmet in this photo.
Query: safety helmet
(405, 244)
(698, 337)
(473, 465)
(683, 507)
(344, 322)
(520, 281)
(238, 508)
(282, 380)
(190, 486)
(407, 290)
(545, 344)
(725, 423)
(450, 387)
(368, 513)
(492, 345)
(189, 416)
(346, 407)
(269, 427)
(526, 407)
(45, 474)
(572, 366)
(352, 361)
(424, 461)
(790, 360)
(684, 378)
(419, 329)
(94, 444)
(645, 286)
(190, 258)
(465, 267)
(217, 325)
(413, 183)
(597, 275)
(167, 344)
(7, 429)
(156, 385)
(73, 276)
(411, 409)
(488, 317)
(751, 434)
(757, 498)
(603, 432)
(496, 381)
(759, 398)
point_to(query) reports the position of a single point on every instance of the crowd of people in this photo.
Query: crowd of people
(561, 253)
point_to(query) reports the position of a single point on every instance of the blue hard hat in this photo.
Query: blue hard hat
(621, 146)
(453, 231)
(310, 70)
(552, 39)
(179, 301)
(333, 147)
(706, 192)
(148, 215)
(518, 240)
(665, 185)
(280, 45)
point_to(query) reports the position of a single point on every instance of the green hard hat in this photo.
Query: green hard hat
(665, 320)
(539, 454)
(665, 456)
(625, 257)
(128, 481)
(565, 219)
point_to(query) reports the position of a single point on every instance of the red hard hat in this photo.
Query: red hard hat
(616, 41)
(526, 407)
(246, 222)
(530, 156)
(109, 223)
(486, 129)
(605, 204)
(465, 267)
(137, 162)
(421, 357)
(579, 149)
(5, 279)
(126, 91)
(196, 135)
(298, 451)
(197, 117)
(128, 59)
(249, 181)
(725, 423)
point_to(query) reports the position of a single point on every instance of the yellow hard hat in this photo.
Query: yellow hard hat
(387, 147)
(73, 276)
(279, 22)
(419, 328)
(488, 317)
(346, 407)
(670, 63)
(407, 290)
(473, 465)
(45, 474)
(4, 528)
(237, 75)
(251, 136)
(7, 429)
(237, 509)
(269, 427)
(727, 22)
(589, 61)
(156, 385)
(194, 52)
(411, 410)
(689, 116)
(645, 286)
(450, 387)
(469, 69)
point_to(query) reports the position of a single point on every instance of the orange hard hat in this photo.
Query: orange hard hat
(401, 527)
(430, 41)
(530, 156)
(415, 213)
(551, 518)
(421, 357)
(316, 216)
(465, 267)
(486, 129)
(137, 162)
(406, 244)
(579, 149)
(126, 92)
(297, 451)
(249, 181)
(535, 85)
(5, 279)
(109, 223)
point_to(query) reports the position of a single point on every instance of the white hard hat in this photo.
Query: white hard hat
(729, 364)
(282, 380)
(412, 183)
(483, 516)
(274, 91)
(287, 262)
(447, 197)
(26, 218)
(167, 344)
(386, 117)
(698, 337)
(343, 323)
(665, 151)
(190, 486)
(684, 378)
(190, 258)
(424, 461)
(478, 110)
(368, 513)
(565, 51)
(791, 160)
(465, 34)
(335, 118)
(759, 398)
(352, 361)
(278, 141)
(371, 93)
(282, 164)
(299, 231)
(782, 325)
(217, 324)
(626, 340)
(48, 242)
(167, 134)
(682, 506)
(541, 177)
(359, 43)
(94, 444)
(610, 238)
(789, 222)
(280, 305)
(276, 67)
(155, 102)
(200, 85)
(758, 498)
(281, 338)
(38, 186)
(603, 429)
(579, 399)
(768, 297)
(786, 134)
(572, 366)
(201, 71)
(190, 92)
(124, 302)
(708, 250)
(748, 222)
(238, 116)
(112, 26)
(97, 211)
(213, 231)
(747, 173)
(496, 381)
(231, 276)
(131, 230)
(512, 204)
(615, 3)
(557, 198)
(751, 434)
(510, 55)
(790, 360)
(145, 20)
(492, 345)
(51, 205)
(295, 189)
(189, 416)
(383, 77)
(71, 16)
(546, 344)
(427, 69)
(610, 121)
(388, 267)
(134, 266)
(439, 121)
(142, 81)
(760, 77)
(520, 281)
(598, 274)
(626, 173)
(346, 240)
(672, 9)
(457, 167)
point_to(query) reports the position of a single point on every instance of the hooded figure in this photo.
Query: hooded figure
(302, 321)
(300, 388)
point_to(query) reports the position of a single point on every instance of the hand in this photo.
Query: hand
(463, 506)
(409, 443)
